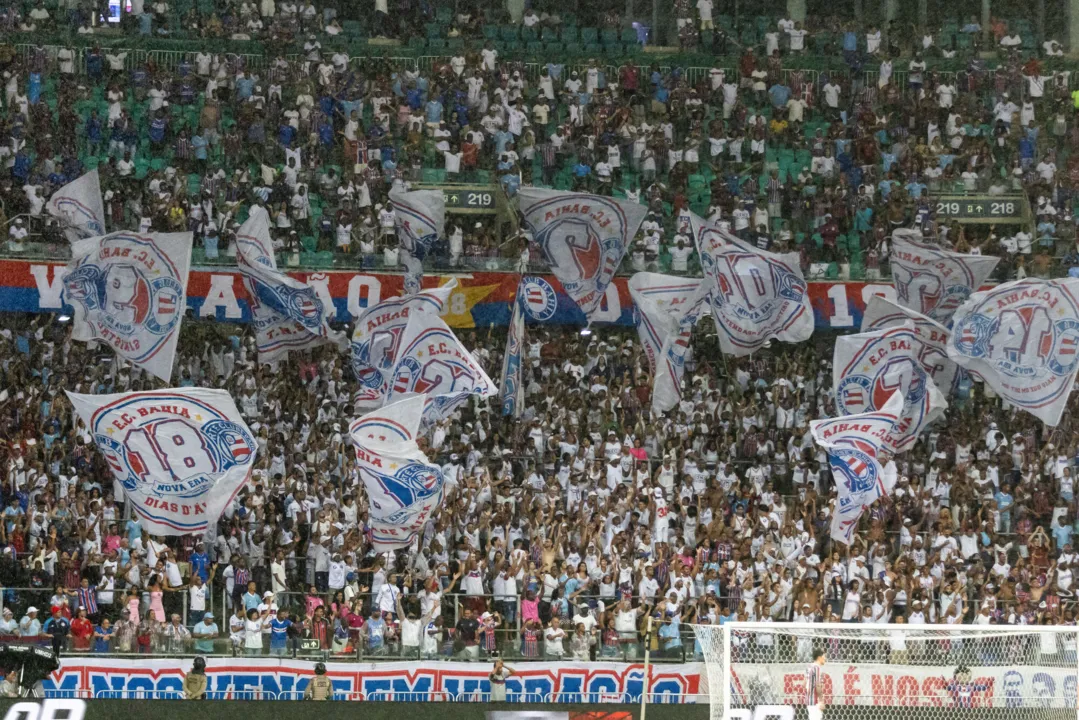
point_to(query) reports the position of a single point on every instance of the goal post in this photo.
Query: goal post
(758, 671)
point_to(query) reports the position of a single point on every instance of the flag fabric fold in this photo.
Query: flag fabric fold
(128, 290)
(420, 220)
(756, 296)
(868, 368)
(512, 369)
(78, 204)
(667, 309)
(180, 455)
(403, 488)
(881, 313)
(856, 445)
(583, 238)
(431, 361)
(288, 314)
(377, 334)
(933, 281)
(1022, 338)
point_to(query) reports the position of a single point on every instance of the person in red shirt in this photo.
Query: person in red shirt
(82, 630)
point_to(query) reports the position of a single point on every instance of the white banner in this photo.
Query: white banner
(880, 684)
(868, 368)
(1021, 338)
(181, 455)
(855, 444)
(420, 220)
(128, 291)
(567, 681)
(755, 295)
(667, 308)
(78, 204)
(402, 487)
(933, 281)
(377, 335)
(431, 361)
(881, 313)
(583, 237)
(288, 314)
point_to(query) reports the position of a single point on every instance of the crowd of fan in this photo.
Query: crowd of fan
(827, 164)
(561, 532)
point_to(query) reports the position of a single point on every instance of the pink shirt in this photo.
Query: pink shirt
(530, 609)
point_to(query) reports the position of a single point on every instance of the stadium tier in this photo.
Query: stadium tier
(566, 358)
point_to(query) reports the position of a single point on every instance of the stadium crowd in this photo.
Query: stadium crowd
(563, 531)
(827, 163)
(560, 533)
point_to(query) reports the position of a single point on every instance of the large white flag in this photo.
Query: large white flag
(288, 314)
(667, 309)
(1021, 338)
(79, 205)
(420, 220)
(512, 369)
(431, 361)
(869, 368)
(403, 488)
(181, 455)
(128, 291)
(881, 313)
(856, 446)
(755, 295)
(583, 238)
(932, 281)
(377, 336)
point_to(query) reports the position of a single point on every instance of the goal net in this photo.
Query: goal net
(758, 671)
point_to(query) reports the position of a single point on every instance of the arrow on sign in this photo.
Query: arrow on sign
(453, 198)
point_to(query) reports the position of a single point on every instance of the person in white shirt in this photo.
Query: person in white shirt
(704, 9)
(797, 38)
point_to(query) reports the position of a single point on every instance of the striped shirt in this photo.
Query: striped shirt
(88, 599)
(812, 680)
(963, 692)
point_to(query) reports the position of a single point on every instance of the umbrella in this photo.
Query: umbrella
(33, 663)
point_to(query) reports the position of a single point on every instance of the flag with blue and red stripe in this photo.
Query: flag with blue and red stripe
(403, 488)
(583, 237)
(288, 314)
(668, 308)
(857, 448)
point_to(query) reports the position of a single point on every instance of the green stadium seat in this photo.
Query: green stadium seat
(490, 32)
(569, 35)
(509, 33)
(609, 36)
(589, 35)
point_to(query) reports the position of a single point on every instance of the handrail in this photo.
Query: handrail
(138, 695)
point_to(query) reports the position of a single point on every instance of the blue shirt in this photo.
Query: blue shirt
(376, 631)
(779, 94)
(101, 645)
(205, 644)
(134, 530)
(434, 111)
(244, 86)
(279, 633)
(200, 565)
